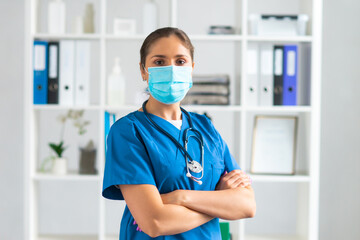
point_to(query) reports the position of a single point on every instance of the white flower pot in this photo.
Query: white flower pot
(60, 166)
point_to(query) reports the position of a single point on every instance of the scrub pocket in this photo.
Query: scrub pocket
(217, 171)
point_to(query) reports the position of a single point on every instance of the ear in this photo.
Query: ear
(193, 64)
(144, 74)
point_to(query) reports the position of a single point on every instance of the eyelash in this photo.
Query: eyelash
(182, 62)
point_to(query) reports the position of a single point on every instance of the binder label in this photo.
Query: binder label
(39, 57)
(278, 62)
(266, 62)
(53, 62)
(252, 60)
(291, 63)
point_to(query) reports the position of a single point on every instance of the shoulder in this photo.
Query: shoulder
(124, 124)
(201, 118)
(203, 122)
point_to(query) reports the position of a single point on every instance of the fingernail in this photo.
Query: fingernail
(137, 229)
(134, 222)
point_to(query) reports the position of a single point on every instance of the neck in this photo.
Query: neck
(165, 111)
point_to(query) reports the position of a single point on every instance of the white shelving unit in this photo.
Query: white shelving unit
(272, 192)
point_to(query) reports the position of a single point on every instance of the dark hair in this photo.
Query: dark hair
(164, 32)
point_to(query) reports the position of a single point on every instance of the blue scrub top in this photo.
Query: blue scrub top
(137, 153)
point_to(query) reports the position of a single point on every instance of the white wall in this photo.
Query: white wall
(340, 164)
(11, 119)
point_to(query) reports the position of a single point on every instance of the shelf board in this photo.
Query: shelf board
(206, 37)
(89, 36)
(60, 107)
(70, 176)
(278, 108)
(129, 108)
(68, 237)
(278, 38)
(221, 37)
(125, 37)
(279, 178)
(226, 108)
(274, 237)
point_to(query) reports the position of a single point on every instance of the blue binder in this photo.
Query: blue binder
(290, 75)
(40, 66)
(110, 119)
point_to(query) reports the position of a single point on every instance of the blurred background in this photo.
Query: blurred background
(74, 207)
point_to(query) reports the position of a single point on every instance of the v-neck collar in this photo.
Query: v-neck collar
(166, 125)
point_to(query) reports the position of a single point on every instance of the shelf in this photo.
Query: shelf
(279, 38)
(89, 36)
(125, 37)
(205, 37)
(274, 237)
(279, 178)
(294, 109)
(122, 108)
(60, 107)
(71, 176)
(221, 37)
(225, 108)
(68, 237)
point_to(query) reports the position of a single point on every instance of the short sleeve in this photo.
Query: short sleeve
(127, 161)
(230, 162)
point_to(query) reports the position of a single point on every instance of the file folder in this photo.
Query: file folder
(290, 75)
(67, 71)
(252, 82)
(278, 74)
(40, 72)
(82, 73)
(53, 73)
(266, 75)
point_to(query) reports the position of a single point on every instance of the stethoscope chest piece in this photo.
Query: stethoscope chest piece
(195, 166)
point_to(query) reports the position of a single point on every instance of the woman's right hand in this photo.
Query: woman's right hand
(233, 179)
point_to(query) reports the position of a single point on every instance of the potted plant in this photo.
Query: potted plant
(59, 163)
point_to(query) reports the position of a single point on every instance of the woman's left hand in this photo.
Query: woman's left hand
(234, 179)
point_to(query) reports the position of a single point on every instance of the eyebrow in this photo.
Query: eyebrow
(163, 56)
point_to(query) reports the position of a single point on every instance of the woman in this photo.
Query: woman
(169, 190)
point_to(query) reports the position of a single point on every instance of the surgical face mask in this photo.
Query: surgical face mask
(169, 84)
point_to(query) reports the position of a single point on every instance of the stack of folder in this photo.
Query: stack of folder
(62, 72)
(272, 75)
(208, 90)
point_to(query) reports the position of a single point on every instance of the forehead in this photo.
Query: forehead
(168, 46)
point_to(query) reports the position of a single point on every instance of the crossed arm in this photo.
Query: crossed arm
(183, 210)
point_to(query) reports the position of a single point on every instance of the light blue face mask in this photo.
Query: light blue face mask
(169, 84)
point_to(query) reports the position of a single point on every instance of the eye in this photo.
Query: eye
(159, 62)
(181, 61)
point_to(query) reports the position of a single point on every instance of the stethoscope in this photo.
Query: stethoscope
(191, 165)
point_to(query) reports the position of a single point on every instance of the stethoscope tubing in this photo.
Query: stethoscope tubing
(198, 137)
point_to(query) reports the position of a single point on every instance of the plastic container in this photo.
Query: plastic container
(279, 25)
(116, 86)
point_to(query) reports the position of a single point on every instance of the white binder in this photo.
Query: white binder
(82, 73)
(266, 75)
(252, 82)
(67, 65)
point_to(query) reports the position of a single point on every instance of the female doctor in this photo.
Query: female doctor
(172, 167)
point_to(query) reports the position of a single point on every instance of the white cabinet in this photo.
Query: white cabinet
(72, 205)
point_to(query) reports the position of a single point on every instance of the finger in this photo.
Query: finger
(231, 174)
(240, 182)
(234, 176)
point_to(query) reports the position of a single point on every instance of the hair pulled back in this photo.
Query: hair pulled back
(164, 32)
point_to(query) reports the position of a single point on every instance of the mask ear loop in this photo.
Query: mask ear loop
(145, 71)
